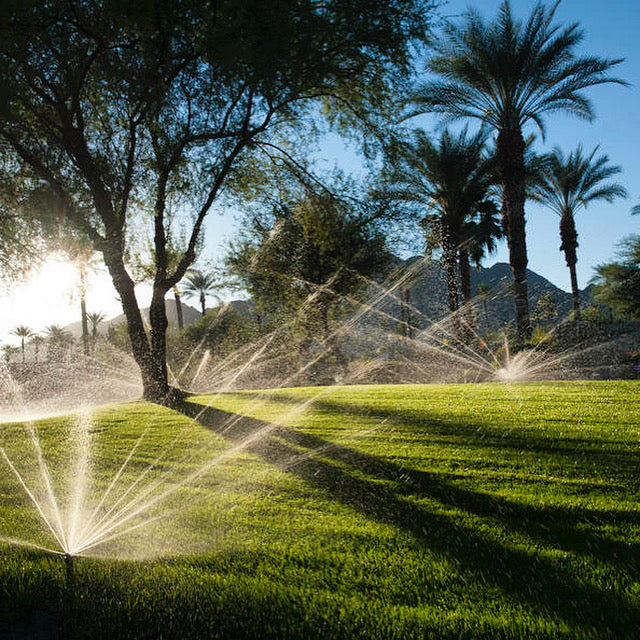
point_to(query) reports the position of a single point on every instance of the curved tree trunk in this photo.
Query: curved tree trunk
(150, 358)
(569, 238)
(510, 157)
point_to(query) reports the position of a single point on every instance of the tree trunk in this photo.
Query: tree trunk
(465, 290)
(151, 361)
(451, 269)
(407, 307)
(176, 295)
(203, 302)
(510, 155)
(569, 238)
(85, 326)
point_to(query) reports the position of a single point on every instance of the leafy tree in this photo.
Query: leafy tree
(546, 309)
(507, 73)
(618, 283)
(116, 108)
(22, 332)
(200, 284)
(566, 185)
(304, 257)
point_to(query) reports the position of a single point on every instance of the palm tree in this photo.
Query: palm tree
(95, 319)
(8, 351)
(200, 284)
(566, 186)
(453, 179)
(22, 332)
(37, 341)
(59, 340)
(507, 74)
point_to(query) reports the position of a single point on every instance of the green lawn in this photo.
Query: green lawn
(453, 511)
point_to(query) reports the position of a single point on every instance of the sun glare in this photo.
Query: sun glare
(51, 296)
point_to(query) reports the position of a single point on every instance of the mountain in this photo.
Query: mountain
(189, 316)
(428, 292)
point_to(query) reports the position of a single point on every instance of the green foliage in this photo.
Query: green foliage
(376, 512)
(113, 108)
(546, 310)
(317, 247)
(618, 283)
(222, 330)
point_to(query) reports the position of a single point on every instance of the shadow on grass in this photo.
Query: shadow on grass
(526, 577)
(620, 464)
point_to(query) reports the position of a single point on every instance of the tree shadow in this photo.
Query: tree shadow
(619, 463)
(529, 578)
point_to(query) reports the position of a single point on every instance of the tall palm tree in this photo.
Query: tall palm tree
(507, 73)
(566, 186)
(86, 260)
(452, 178)
(200, 284)
(22, 332)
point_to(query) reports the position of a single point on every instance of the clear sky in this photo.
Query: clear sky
(612, 30)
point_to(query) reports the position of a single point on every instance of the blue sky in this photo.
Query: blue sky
(612, 30)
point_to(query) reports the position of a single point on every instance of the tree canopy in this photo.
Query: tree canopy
(113, 108)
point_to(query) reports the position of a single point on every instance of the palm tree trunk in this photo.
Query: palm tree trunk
(203, 302)
(569, 238)
(465, 290)
(176, 295)
(23, 355)
(451, 269)
(85, 325)
(510, 156)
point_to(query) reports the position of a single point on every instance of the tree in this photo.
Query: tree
(22, 332)
(59, 342)
(453, 179)
(304, 256)
(506, 74)
(95, 319)
(37, 341)
(9, 351)
(618, 283)
(546, 309)
(200, 284)
(566, 185)
(116, 108)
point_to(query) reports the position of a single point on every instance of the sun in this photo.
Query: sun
(51, 296)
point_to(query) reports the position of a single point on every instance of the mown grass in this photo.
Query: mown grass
(458, 511)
